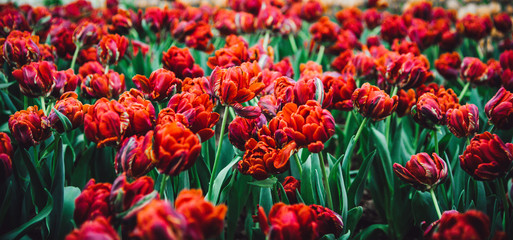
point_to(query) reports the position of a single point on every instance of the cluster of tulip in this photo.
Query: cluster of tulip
(133, 98)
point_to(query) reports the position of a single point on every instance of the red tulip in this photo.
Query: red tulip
(502, 22)
(473, 26)
(92, 202)
(393, 27)
(98, 228)
(372, 18)
(36, 79)
(109, 85)
(473, 70)
(454, 225)
(71, 108)
(86, 34)
(448, 65)
(374, 103)
(311, 10)
(141, 112)
(240, 130)
(180, 61)
(204, 220)
(29, 127)
(106, 122)
(291, 185)
(135, 158)
(422, 171)
(21, 48)
(324, 30)
(500, 109)
(463, 121)
(123, 195)
(487, 157)
(234, 86)
(65, 81)
(112, 48)
(158, 220)
(427, 112)
(328, 221)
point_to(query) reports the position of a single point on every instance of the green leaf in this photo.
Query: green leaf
(139, 204)
(66, 123)
(372, 231)
(266, 199)
(283, 194)
(353, 217)
(319, 190)
(19, 231)
(36, 181)
(355, 191)
(68, 208)
(55, 217)
(8, 102)
(266, 183)
(346, 161)
(219, 180)
(306, 181)
(384, 153)
(422, 207)
(6, 85)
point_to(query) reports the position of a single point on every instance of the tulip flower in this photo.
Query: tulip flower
(158, 220)
(463, 121)
(124, 195)
(29, 127)
(20, 48)
(106, 122)
(176, 148)
(98, 228)
(422, 171)
(92, 202)
(502, 22)
(291, 185)
(109, 85)
(141, 113)
(161, 84)
(448, 65)
(36, 79)
(135, 158)
(473, 70)
(499, 109)
(242, 129)
(328, 221)
(181, 63)
(393, 27)
(71, 108)
(474, 27)
(86, 34)
(204, 220)
(373, 103)
(472, 224)
(112, 48)
(65, 81)
(487, 157)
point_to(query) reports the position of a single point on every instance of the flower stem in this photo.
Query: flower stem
(266, 40)
(320, 55)
(292, 43)
(43, 104)
(298, 162)
(389, 119)
(435, 136)
(163, 186)
(435, 202)
(218, 154)
(323, 164)
(359, 132)
(75, 55)
(501, 191)
(25, 102)
(463, 91)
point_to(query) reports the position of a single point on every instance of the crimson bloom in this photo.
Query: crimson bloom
(473, 70)
(500, 109)
(393, 27)
(328, 221)
(291, 185)
(135, 158)
(21, 48)
(124, 195)
(242, 129)
(36, 79)
(161, 84)
(106, 122)
(65, 81)
(427, 112)
(93, 202)
(176, 148)
(86, 34)
(158, 220)
(6, 154)
(109, 85)
(374, 103)
(180, 62)
(324, 30)
(29, 127)
(472, 224)
(473, 26)
(204, 220)
(422, 171)
(71, 108)
(487, 157)
(97, 228)
(141, 113)
(463, 121)
(448, 65)
(407, 71)
(112, 48)
(502, 22)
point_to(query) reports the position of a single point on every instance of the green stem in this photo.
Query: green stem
(25, 102)
(266, 40)
(463, 91)
(502, 192)
(163, 186)
(292, 43)
(325, 182)
(218, 154)
(435, 136)
(468, 141)
(320, 55)
(43, 104)
(106, 69)
(75, 55)
(359, 132)
(435, 202)
(389, 119)
(298, 162)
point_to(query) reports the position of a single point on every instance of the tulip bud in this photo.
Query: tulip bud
(291, 185)
(135, 158)
(422, 171)
(296, 221)
(374, 103)
(36, 79)
(71, 108)
(427, 112)
(463, 121)
(124, 196)
(328, 221)
(487, 157)
(112, 48)
(498, 109)
(29, 127)
(86, 34)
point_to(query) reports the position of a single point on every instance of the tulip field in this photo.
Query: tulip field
(256, 119)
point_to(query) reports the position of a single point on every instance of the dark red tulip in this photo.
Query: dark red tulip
(393, 27)
(500, 109)
(374, 103)
(448, 65)
(71, 108)
(291, 185)
(180, 61)
(29, 127)
(93, 202)
(106, 122)
(422, 171)
(97, 228)
(158, 220)
(109, 85)
(463, 121)
(240, 130)
(36, 79)
(502, 22)
(472, 224)
(141, 113)
(135, 158)
(112, 48)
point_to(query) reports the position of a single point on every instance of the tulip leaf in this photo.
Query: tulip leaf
(384, 153)
(6, 202)
(353, 217)
(266, 183)
(372, 231)
(266, 199)
(355, 190)
(8, 102)
(422, 207)
(319, 190)
(306, 181)
(346, 161)
(219, 180)
(57, 189)
(283, 194)
(338, 187)
(68, 208)
(19, 231)
(80, 173)
(37, 182)
(6, 85)
(66, 123)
